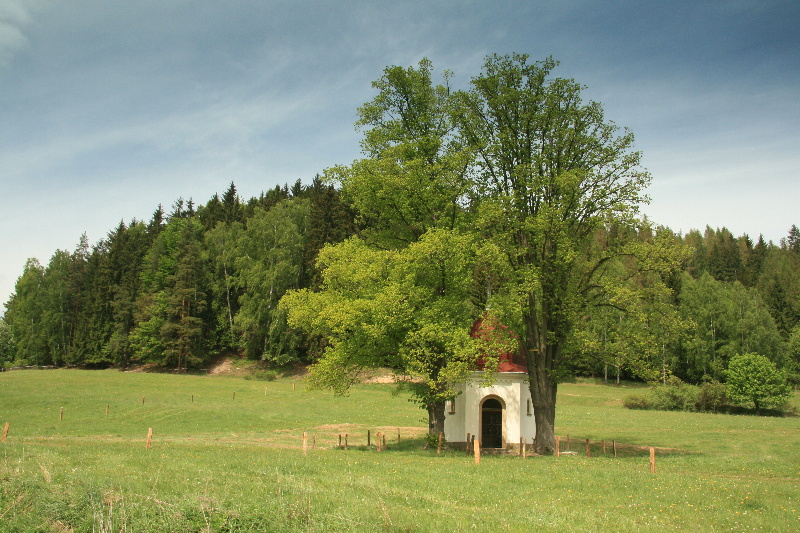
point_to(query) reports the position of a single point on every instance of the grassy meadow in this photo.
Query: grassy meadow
(226, 456)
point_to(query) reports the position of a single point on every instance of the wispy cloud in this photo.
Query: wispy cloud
(14, 16)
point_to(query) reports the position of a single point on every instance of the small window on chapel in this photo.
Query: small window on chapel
(530, 412)
(452, 407)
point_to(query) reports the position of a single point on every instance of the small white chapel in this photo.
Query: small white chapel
(499, 415)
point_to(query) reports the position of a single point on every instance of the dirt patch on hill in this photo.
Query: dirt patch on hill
(223, 366)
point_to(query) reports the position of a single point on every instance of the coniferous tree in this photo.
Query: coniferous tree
(95, 323)
(127, 248)
(724, 258)
(170, 308)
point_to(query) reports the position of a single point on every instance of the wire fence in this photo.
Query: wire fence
(568, 445)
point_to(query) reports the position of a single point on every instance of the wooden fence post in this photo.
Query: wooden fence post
(558, 446)
(439, 446)
(345, 441)
(383, 442)
(476, 445)
(149, 438)
(5, 430)
(604, 446)
(614, 447)
(652, 460)
(524, 449)
(368, 439)
(588, 449)
(340, 440)
(106, 409)
(305, 443)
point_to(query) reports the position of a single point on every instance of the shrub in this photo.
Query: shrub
(637, 401)
(712, 397)
(754, 380)
(674, 397)
(263, 375)
(679, 397)
(432, 440)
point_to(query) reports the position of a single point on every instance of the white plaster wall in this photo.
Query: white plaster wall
(512, 388)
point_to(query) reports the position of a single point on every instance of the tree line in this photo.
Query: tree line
(513, 203)
(179, 289)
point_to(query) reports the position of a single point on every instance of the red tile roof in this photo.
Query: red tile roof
(509, 360)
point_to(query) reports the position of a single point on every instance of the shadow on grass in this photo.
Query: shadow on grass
(406, 445)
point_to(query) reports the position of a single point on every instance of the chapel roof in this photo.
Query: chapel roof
(510, 360)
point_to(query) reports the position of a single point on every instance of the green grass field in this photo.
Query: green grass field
(226, 456)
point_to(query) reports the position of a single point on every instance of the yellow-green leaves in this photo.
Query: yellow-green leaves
(409, 309)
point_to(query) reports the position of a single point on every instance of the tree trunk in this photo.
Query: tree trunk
(543, 394)
(436, 417)
(542, 358)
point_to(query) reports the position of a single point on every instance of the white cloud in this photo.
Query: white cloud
(13, 18)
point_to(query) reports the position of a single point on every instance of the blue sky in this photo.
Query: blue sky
(111, 108)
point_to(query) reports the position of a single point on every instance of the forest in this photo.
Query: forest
(233, 275)
(205, 280)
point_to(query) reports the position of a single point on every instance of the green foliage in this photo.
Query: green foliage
(546, 186)
(8, 346)
(637, 401)
(550, 170)
(637, 323)
(754, 380)
(399, 295)
(24, 316)
(263, 375)
(713, 397)
(220, 253)
(408, 309)
(269, 262)
(726, 319)
(793, 355)
(170, 320)
(674, 397)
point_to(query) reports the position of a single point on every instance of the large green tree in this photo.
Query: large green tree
(551, 169)
(409, 309)
(410, 191)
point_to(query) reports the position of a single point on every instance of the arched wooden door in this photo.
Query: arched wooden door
(491, 423)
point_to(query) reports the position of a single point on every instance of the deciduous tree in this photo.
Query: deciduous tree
(754, 380)
(551, 169)
(409, 307)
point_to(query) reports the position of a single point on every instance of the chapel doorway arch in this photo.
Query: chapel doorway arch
(492, 415)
